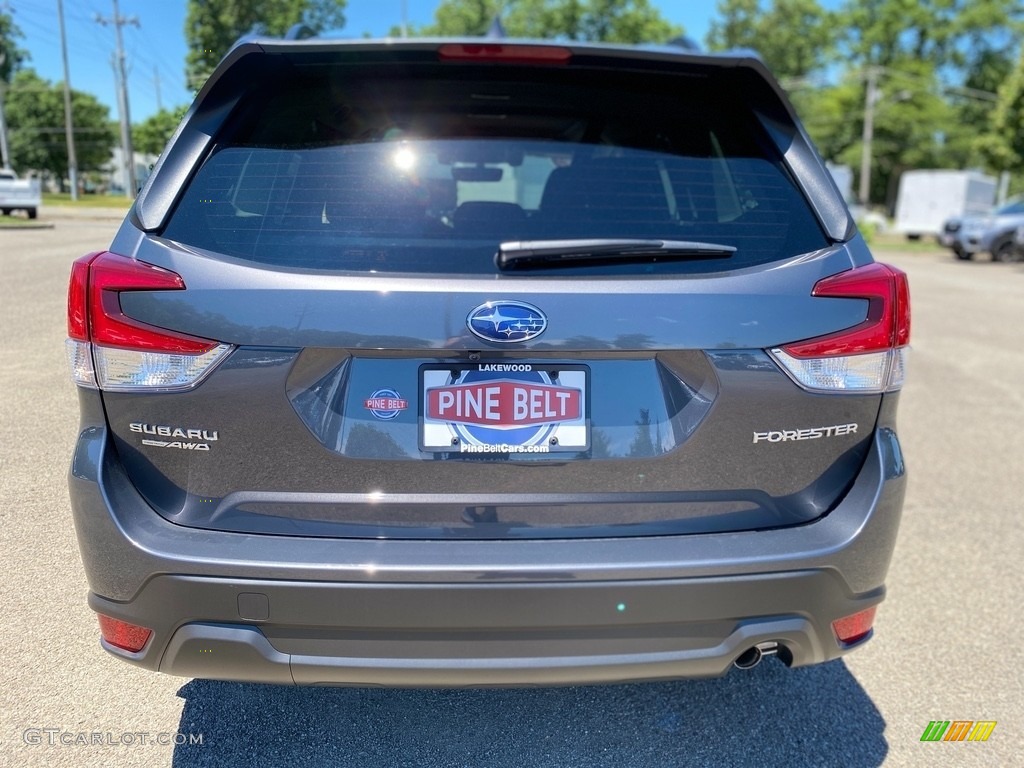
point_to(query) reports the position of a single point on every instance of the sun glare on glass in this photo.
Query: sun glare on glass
(404, 159)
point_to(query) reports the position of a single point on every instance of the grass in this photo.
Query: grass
(18, 222)
(87, 201)
(896, 242)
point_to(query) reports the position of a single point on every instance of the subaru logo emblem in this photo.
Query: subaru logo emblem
(507, 321)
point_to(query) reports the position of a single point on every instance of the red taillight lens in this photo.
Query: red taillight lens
(121, 634)
(902, 314)
(504, 54)
(854, 628)
(78, 310)
(887, 325)
(109, 275)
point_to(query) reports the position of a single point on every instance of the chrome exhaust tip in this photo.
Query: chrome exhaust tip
(751, 657)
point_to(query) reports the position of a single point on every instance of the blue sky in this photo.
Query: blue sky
(157, 47)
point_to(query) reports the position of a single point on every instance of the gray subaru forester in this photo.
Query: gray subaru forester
(467, 363)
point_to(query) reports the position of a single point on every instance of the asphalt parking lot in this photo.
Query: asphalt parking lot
(948, 643)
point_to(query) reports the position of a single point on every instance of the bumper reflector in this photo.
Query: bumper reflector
(121, 634)
(855, 627)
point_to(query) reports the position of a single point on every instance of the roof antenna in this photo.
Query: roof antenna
(496, 31)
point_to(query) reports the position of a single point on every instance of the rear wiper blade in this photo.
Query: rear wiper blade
(555, 253)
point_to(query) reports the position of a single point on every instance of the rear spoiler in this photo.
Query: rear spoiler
(252, 60)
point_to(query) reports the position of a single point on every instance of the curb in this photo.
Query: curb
(68, 212)
(34, 225)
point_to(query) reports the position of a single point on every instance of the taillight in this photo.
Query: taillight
(110, 350)
(504, 54)
(78, 320)
(870, 356)
(121, 634)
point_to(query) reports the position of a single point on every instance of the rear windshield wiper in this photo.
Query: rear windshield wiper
(569, 253)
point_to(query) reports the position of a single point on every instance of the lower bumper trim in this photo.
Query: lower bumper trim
(242, 653)
(443, 635)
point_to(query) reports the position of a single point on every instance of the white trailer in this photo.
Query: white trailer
(19, 195)
(843, 177)
(927, 198)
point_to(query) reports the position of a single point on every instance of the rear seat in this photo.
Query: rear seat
(479, 218)
(622, 197)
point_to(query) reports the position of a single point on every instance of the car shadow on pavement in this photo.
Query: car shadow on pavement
(768, 716)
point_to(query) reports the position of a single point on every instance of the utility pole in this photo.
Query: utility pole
(156, 82)
(69, 122)
(119, 21)
(405, 25)
(868, 135)
(1004, 187)
(4, 150)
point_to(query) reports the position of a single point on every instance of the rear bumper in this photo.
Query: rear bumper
(472, 613)
(498, 634)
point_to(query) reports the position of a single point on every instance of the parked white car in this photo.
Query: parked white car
(19, 194)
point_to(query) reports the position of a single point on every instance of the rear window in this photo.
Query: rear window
(416, 171)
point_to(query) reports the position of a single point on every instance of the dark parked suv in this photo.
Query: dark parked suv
(451, 363)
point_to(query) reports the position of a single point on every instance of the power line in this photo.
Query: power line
(172, 79)
(59, 129)
(798, 83)
(153, 50)
(45, 32)
(975, 93)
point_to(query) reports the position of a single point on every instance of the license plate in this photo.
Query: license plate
(504, 408)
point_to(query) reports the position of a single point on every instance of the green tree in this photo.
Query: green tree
(887, 33)
(914, 122)
(617, 21)
(973, 105)
(736, 26)
(461, 17)
(831, 115)
(643, 444)
(213, 26)
(151, 135)
(1003, 145)
(11, 56)
(794, 37)
(920, 50)
(35, 117)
